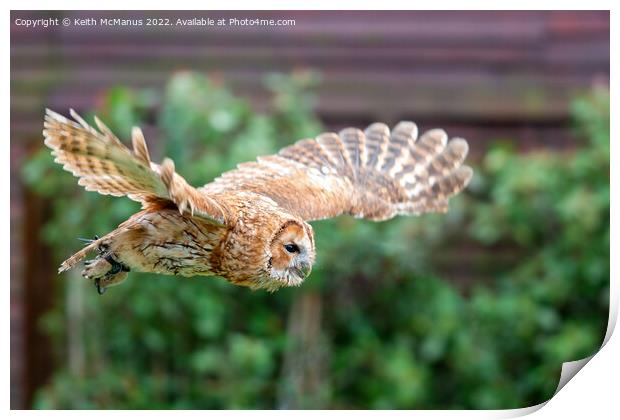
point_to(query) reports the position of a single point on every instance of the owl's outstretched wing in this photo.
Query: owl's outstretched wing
(104, 164)
(375, 174)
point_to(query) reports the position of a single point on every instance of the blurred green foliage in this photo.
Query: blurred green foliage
(401, 327)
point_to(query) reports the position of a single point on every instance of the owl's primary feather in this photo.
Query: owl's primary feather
(250, 224)
(105, 165)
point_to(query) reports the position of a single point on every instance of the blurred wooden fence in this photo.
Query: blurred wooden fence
(481, 75)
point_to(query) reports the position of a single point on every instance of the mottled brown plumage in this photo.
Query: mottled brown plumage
(250, 224)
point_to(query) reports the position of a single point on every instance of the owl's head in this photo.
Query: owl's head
(291, 254)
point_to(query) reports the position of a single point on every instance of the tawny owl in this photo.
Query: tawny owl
(250, 224)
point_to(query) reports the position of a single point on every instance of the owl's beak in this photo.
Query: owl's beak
(298, 273)
(304, 268)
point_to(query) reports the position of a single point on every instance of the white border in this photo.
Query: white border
(592, 393)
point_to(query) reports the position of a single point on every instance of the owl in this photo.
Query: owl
(250, 225)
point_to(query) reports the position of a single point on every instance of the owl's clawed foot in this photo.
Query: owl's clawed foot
(106, 271)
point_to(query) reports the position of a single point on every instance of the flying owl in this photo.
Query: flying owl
(250, 225)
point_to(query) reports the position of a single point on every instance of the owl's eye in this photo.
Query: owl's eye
(291, 248)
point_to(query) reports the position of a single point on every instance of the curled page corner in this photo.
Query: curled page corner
(570, 369)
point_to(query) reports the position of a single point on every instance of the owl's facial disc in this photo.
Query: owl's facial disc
(292, 254)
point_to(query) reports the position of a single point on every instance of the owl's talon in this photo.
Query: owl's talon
(89, 241)
(106, 271)
(100, 290)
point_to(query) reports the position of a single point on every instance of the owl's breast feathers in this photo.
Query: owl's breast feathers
(167, 242)
(162, 240)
